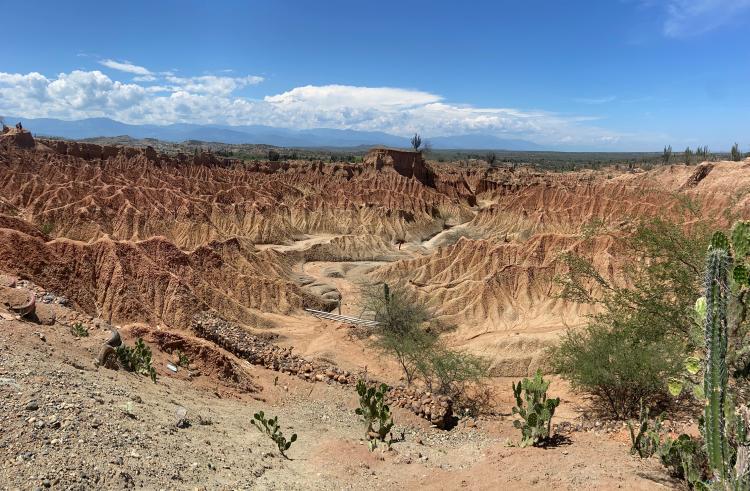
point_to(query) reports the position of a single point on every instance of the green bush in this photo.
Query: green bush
(645, 328)
(136, 359)
(534, 408)
(374, 412)
(47, 228)
(448, 372)
(78, 330)
(618, 366)
(270, 427)
(400, 332)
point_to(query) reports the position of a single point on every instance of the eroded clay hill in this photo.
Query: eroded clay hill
(133, 236)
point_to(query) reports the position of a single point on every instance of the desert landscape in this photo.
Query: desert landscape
(212, 262)
(423, 245)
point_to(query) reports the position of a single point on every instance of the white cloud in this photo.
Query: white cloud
(692, 17)
(125, 67)
(213, 99)
(330, 96)
(212, 84)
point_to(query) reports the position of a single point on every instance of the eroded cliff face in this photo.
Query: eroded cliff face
(132, 235)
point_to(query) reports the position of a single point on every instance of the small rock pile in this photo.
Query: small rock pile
(436, 409)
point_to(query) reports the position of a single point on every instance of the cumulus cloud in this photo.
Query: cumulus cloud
(126, 66)
(691, 17)
(213, 99)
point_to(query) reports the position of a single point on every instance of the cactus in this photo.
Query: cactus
(725, 429)
(271, 427)
(535, 409)
(715, 378)
(136, 359)
(373, 409)
(647, 440)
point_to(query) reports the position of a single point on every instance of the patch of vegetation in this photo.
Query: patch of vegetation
(535, 410)
(270, 427)
(136, 359)
(78, 330)
(720, 459)
(666, 156)
(735, 153)
(643, 332)
(273, 156)
(400, 333)
(374, 412)
(47, 228)
(182, 359)
(448, 371)
(645, 442)
(408, 332)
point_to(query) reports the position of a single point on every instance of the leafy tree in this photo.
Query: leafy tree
(273, 156)
(490, 158)
(688, 155)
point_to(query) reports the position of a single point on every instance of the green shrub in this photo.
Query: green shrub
(271, 429)
(273, 156)
(374, 412)
(47, 228)
(136, 359)
(78, 330)
(535, 410)
(619, 367)
(447, 371)
(399, 332)
(645, 328)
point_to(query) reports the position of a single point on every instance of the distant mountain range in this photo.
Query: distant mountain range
(257, 134)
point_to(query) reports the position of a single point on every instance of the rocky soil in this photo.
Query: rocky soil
(65, 424)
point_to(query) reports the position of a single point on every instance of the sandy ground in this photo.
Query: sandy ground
(104, 429)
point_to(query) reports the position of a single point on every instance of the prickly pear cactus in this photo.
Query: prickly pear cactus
(373, 410)
(270, 426)
(534, 408)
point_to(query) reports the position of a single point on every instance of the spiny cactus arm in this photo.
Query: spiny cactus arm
(715, 380)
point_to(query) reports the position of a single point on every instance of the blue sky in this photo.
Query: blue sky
(606, 74)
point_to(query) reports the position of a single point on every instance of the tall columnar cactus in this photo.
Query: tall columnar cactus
(725, 428)
(715, 379)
